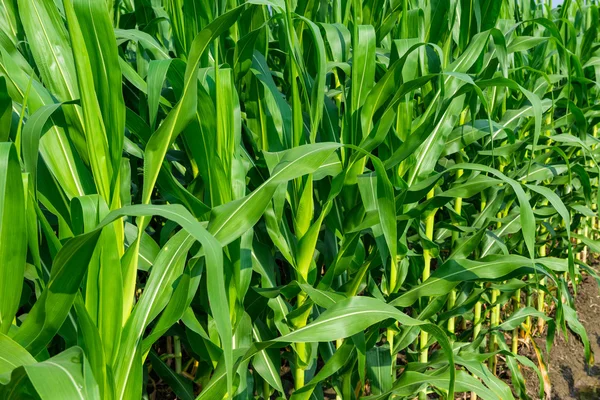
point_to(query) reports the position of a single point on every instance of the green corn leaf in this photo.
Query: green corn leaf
(181, 386)
(226, 223)
(66, 375)
(51, 49)
(14, 356)
(101, 47)
(379, 364)
(455, 271)
(182, 114)
(93, 124)
(13, 235)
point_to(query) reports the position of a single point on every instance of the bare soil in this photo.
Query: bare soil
(570, 377)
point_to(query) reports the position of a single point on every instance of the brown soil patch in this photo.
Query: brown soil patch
(571, 378)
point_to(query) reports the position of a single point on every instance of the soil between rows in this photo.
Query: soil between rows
(570, 377)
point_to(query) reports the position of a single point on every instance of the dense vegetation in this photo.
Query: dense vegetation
(274, 198)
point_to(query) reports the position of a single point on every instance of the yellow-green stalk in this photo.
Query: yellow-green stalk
(452, 295)
(528, 303)
(429, 223)
(476, 330)
(584, 251)
(515, 333)
(541, 293)
(302, 225)
(390, 339)
(338, 344)
(266, 390)
(392, 286)
(297, 130)
(178, 356)
(542, 251)
(477, 320)
(451, 303)
(495, 314)
(494, 321)
(391, 330)
(477, 308)
(458, 210)
(594, 220)
(300, 347)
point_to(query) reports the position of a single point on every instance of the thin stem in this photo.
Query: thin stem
(429, 224)
(266, 390)
(528, 303)
(494, 320)
(178, 356)
(476, 330)
(458, 209)
(477, 308)
(541, 294)
(300, 347)
(515, 333)
(451, 304)
(338, 344)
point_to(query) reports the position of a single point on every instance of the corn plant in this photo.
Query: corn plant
(293, 198)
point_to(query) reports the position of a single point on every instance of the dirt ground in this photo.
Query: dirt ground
(569, 375)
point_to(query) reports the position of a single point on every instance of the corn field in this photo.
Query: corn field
(293, 199)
